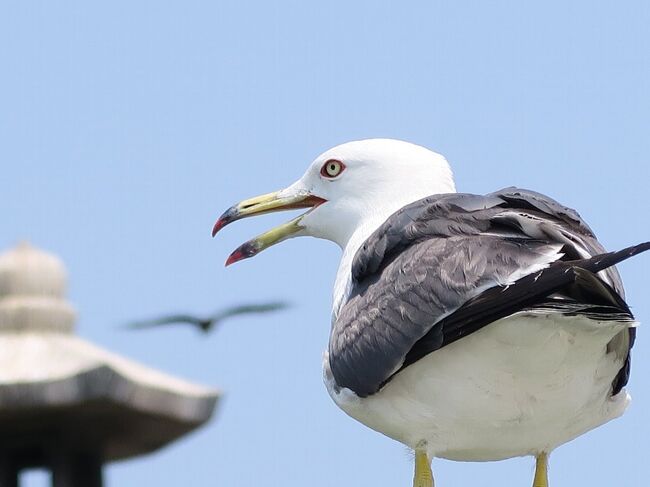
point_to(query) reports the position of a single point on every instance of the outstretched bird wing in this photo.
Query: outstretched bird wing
(174, 319)
(245, 309)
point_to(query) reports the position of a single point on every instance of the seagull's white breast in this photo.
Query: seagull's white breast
(521, 385)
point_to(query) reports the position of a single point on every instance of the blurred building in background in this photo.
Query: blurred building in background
(66, 404)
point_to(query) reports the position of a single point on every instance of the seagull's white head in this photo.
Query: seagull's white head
(349, 190)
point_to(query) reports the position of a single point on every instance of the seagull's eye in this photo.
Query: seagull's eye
(332, 169)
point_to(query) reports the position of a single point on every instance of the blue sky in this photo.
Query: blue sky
(127, 127)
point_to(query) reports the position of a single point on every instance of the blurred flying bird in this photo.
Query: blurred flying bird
(207, 323)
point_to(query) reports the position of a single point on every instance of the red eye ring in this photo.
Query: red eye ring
(332, 169)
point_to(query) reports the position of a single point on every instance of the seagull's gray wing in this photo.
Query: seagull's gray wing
(174, 319)
(245, 309)
(435, 257)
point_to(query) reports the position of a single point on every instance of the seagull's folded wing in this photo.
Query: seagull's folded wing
(445, 266)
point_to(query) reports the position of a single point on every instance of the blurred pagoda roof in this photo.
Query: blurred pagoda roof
(55, 386)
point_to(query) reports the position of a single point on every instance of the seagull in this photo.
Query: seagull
(467, 327)
(206, 324)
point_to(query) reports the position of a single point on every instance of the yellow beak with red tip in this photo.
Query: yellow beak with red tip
(267, 203)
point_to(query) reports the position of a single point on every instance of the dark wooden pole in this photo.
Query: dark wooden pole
(76, 468)
(8, 469)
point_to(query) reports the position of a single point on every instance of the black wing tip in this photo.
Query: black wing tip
(642, 247)
(138, 325)
(603, 261)
(633, 249)
(636, 249)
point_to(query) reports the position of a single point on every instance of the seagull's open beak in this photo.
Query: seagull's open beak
(267, 203)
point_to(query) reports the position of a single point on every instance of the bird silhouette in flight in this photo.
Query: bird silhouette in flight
(207, 323)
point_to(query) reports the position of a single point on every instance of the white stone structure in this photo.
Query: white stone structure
(66, 403)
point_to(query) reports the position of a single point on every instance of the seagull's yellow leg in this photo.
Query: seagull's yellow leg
(423, 476)
(541, 470)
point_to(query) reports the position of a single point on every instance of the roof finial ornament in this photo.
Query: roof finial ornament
(32, 291)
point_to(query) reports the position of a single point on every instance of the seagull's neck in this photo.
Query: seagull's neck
(343, 283)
